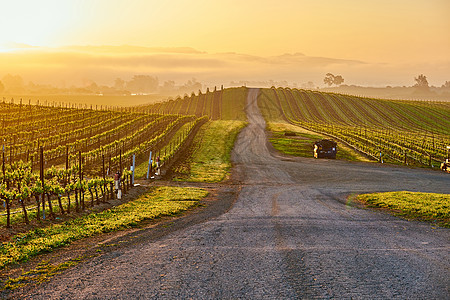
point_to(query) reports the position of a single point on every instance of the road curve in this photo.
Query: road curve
(290, 235)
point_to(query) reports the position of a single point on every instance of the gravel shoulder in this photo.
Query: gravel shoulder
(291, 233)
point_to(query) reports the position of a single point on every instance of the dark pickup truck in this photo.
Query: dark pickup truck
(325, 149)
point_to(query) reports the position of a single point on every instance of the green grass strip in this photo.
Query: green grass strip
(414, 205)
(43, 272)
(300, 142)
(210, 162)
(162, 201)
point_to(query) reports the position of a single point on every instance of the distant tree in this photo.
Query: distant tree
(119, 84)
(421, 82)
(168, 86)
(308, 85)
(2, 87)
(93, 87)
(331, 79)
(143, 84)
(446, 85)
(191, 85)
(338, 80)
(13, 83)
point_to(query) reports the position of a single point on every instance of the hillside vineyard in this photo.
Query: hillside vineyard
(65, 154)
(412, 132)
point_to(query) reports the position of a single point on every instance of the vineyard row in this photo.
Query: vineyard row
(395, 131)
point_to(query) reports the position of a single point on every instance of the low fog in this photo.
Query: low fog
(176, 71)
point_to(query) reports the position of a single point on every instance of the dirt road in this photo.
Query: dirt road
(289, 235)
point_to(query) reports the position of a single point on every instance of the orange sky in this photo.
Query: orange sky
(368, 42)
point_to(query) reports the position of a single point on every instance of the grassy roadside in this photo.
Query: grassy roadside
(412, 205)
(293, 140)
(162, 201)
(210, 161)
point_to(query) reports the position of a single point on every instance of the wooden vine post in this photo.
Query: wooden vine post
(81, 178)
(67, 166)
(7, 201)
(104, 189)
(41, 174)
(120, 161)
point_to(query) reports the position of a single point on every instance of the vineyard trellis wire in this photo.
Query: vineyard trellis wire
(85, 140)
(389, 131)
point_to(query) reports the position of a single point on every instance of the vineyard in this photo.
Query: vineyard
(223, 104)
(408, 132)
(60, 159)
(56, 160)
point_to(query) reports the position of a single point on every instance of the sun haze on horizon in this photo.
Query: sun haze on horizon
(380, 32)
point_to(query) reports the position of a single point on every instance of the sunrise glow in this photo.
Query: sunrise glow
(394, 38)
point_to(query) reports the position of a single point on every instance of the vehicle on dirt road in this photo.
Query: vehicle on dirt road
(325, 149)
(445, 166)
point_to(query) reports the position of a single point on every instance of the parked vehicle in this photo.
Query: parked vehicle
(445, 166)
(325, 149)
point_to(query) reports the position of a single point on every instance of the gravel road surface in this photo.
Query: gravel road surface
(290, 235)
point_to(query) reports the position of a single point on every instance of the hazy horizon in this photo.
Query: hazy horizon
(380, 43)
